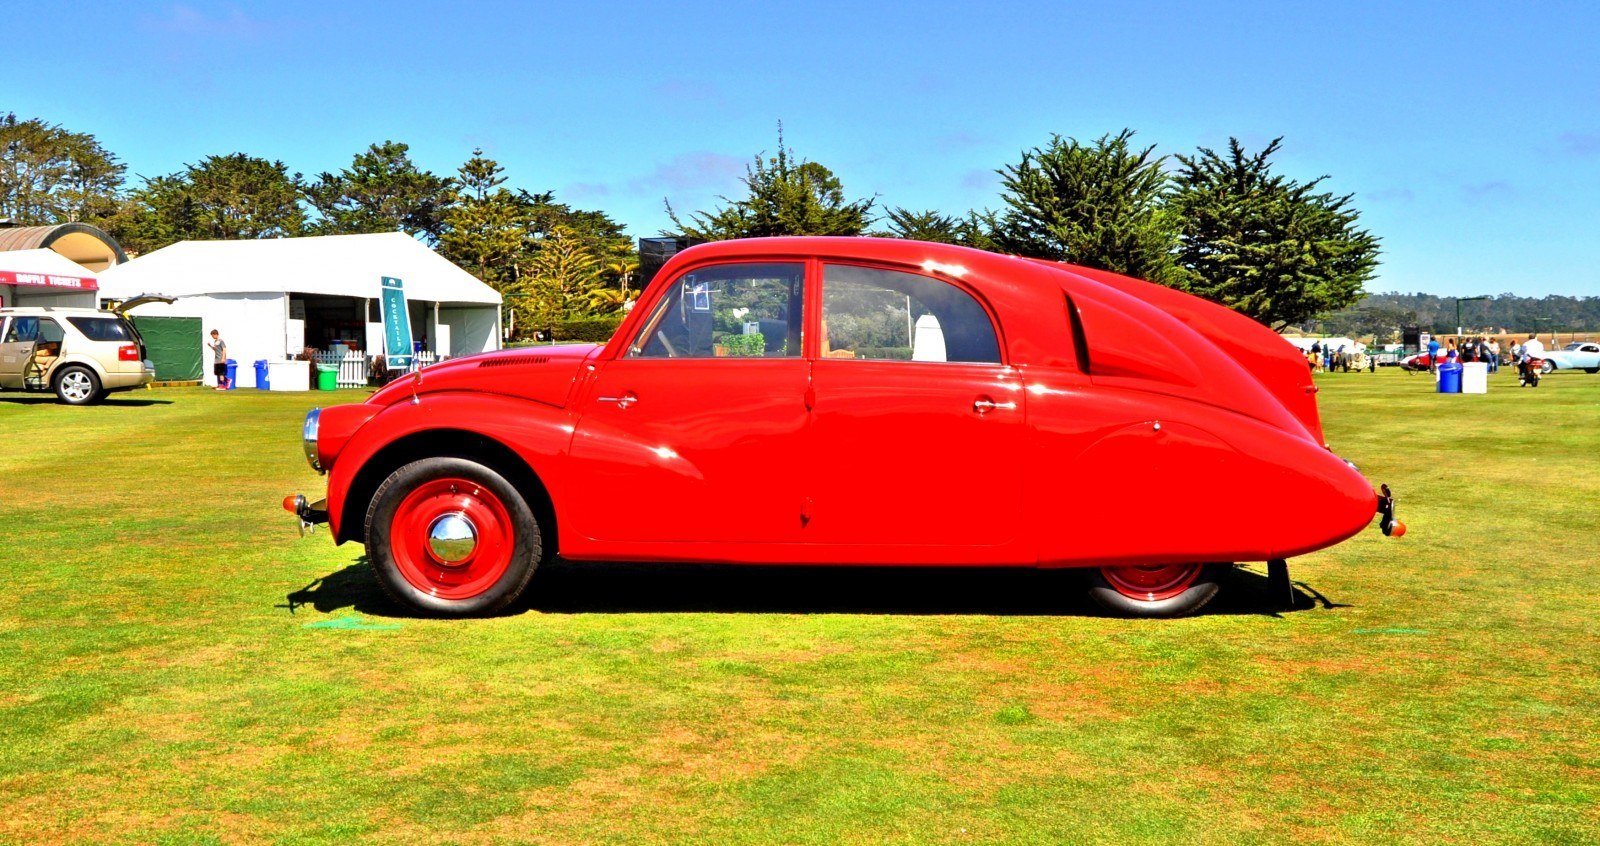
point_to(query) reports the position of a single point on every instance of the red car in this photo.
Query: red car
(852, 401)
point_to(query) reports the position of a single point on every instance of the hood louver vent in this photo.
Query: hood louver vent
(515, 359)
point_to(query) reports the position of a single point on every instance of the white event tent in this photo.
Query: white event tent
(273, 298)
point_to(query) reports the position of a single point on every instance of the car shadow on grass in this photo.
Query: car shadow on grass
(630, 588)
(51, 400)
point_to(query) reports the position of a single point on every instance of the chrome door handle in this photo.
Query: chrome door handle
(622, 402)
(984, 405)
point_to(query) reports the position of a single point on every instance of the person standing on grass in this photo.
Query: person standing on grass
(1433, 354)
(1494, 355)
(219, 356)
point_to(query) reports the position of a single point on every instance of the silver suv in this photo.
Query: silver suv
(81, 354)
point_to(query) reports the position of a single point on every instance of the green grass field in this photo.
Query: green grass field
(176, 666)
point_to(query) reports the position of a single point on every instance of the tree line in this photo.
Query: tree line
(1382, 316)
(1222, 225)
(552, 261)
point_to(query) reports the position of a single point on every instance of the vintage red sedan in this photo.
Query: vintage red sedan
(852, 401)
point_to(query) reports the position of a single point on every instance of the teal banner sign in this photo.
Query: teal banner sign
(396, 325)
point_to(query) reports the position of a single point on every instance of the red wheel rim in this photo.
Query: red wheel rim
(1154, 583)
(425, 570)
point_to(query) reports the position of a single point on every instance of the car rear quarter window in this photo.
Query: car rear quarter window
(102, 328)
(889, 315)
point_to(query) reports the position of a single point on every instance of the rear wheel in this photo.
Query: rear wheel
(77, 385)
(1165, 590)
(1549, 366)
(451, 536)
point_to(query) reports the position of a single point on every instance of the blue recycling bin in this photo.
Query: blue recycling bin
(261, 375)
(1450, 378)
(233, 374)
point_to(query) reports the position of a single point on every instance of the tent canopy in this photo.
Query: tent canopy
(44, 268)
(339, 265)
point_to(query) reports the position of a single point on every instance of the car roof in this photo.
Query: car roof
(67, 310)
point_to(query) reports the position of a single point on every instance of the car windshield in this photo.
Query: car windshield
(102, 328)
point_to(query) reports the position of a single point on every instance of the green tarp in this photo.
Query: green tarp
(175, 346)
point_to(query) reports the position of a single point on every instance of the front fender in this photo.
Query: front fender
(441, 424)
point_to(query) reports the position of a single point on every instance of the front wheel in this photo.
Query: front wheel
(1165, 590)
(450, 536)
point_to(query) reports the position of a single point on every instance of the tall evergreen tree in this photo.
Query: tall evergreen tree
(236, 196)
(1270, 247)
(1098, 205)
(381, 191)
(788, 195)
(485, 226)
(561, 277)
(974, 230)
(921, 226)
(52, 175)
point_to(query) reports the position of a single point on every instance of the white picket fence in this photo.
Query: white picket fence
(355, 367)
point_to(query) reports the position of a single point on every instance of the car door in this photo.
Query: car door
(696, 432)
(918, 422)
(16, 349)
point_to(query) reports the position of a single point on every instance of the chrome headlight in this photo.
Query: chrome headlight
(308, 438)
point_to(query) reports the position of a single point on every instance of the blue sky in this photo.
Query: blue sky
(1469, 132)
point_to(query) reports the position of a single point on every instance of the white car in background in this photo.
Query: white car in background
(81, 354)
(1578, 355)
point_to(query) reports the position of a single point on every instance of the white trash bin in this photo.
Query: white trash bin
(289, 375)
(1475, 377)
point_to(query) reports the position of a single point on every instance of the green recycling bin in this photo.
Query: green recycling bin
(327, 377)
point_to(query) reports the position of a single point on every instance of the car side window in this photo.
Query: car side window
(751, 310)
(101, 328)
(49, 331)
(888, 315)
(23, 329)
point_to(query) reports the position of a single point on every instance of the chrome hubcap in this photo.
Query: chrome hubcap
(75, 385)
(452, 538)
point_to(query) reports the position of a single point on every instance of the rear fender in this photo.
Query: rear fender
(525, 441)
(79, 359)
(1190, 483)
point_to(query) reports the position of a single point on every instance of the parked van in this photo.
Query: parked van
(81, 354)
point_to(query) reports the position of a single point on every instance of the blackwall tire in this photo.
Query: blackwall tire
(1155, 592)
(409, 527)
(77, 385)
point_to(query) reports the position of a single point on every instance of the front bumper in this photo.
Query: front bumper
(309, 513)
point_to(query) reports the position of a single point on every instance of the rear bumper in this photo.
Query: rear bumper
(130, 379)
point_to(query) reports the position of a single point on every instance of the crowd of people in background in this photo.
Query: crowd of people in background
(1482, 349)
(1329, 357)
(1325, 358)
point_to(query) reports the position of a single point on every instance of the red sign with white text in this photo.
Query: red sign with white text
(47, 280)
